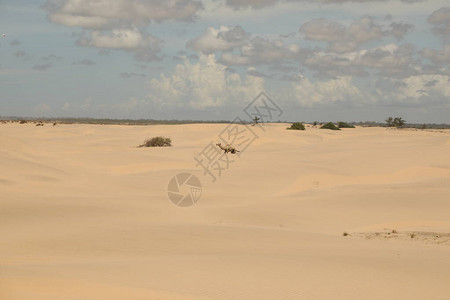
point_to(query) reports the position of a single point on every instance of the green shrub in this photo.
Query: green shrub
(297, 126)
(329, 125)
(158, 141)
(345, 125)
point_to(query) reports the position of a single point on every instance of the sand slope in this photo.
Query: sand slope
(84, 214)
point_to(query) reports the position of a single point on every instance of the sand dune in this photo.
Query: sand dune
(404, 176)
(84, 214)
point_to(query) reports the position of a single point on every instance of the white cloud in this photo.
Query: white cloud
(310, 93)
(118, 39)
(202, 85)
(440, 19)
(341, 38)
(251, 3)
(258, 4)
(427, 88)
(342, 57)
(111, 14)
(241, 48)
(260, 50)
(222, 39)
(437, 56)
(79, 21)
(145, 46)
(390, 60)
(207, 84)
(399, 29)
(417, 90)
(387, 60)
(119, 24)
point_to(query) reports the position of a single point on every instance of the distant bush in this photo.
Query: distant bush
(22, 122)
(345, 125)
(158, 141)
(297, 126)
(329, 125)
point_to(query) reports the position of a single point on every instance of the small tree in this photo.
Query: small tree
(399, 122)
(395, 122)
(158, 141)
(297, 126)
(329, 125)
(255, 121)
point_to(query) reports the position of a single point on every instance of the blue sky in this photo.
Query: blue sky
(321, 60)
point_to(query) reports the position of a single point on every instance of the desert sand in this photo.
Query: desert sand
(85, 214)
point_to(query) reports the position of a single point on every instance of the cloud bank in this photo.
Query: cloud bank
(120, 24)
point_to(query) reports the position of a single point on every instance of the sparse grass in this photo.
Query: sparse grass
(329, 125)
(297, 126)
(158, 141)
(345, 125)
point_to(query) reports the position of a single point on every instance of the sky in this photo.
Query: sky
(323, 60)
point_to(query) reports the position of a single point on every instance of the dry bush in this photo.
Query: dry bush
(158, 141)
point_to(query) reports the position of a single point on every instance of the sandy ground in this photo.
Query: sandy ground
(84, 214)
